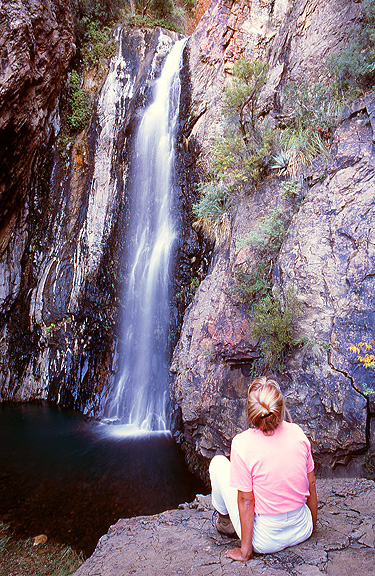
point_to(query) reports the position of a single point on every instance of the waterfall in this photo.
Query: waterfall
(140, 396)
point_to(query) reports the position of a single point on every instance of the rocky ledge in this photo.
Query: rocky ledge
(182, 542)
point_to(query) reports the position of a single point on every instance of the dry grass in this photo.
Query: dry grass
(19, 557)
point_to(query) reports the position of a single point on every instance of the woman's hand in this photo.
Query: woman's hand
(237, 554)
(246, 510)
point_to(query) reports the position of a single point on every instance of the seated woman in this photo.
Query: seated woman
(266, 494)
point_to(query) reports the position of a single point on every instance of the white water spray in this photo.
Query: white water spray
(140, 397)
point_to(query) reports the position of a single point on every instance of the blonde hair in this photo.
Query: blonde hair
(265, 405)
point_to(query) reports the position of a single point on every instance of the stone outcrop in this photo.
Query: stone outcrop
(185, 542)
(327, 257)
(36, 46)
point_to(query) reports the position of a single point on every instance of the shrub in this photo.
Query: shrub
(104, 11)
(314, 110)
(97, 42)
(267, 238)
(253, 280)
(255, 142)
(241, 156)
(274, 322)
(79, 104)
(151, 13)
(213, 204)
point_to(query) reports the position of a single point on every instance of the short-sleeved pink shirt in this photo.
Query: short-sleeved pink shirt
(273, 467)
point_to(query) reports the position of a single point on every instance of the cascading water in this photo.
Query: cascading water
(140, 396)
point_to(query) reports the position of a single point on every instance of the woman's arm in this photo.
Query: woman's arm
(246, 510)
(312, 500)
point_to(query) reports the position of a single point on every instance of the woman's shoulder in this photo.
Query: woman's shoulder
(294, 428)
(244, 436)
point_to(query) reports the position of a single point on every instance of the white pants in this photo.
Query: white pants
(272, 532)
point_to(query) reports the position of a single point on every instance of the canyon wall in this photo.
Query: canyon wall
(64, 214)
(327, 257)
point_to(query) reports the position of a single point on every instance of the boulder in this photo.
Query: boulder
(185, 542)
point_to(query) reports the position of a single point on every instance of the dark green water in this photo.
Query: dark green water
(66, 477)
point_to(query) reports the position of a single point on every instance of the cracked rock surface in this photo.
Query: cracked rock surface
(183, 542)
(328, 259)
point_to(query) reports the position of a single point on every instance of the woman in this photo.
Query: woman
(266, 494)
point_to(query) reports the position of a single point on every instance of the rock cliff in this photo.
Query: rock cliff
(64, 209)
(327, 256)
(37, 44)
(62, 243)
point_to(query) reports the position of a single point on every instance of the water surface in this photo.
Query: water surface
(67, 477)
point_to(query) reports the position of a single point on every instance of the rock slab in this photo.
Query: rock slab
(183, 542)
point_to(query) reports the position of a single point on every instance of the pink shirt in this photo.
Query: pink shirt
(273, 467)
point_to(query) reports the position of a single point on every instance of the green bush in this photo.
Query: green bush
(213, 204)
(274, 322)
(79, 104)
(254, 280)
(104, 11)
(313, 111)
(241, 155)
(98, 43)
(269, 234)
(151, 13)
(250, 141)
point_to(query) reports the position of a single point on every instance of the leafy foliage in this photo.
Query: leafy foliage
(97, 42)
(254, 142)
(365, 352)
(313, 113)
(79, 104)
(274, 320)
(274, 317)
(104, 11)
(241, 155)
(253, 280)
(214, 203)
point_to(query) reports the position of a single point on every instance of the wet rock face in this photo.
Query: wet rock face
(36, 46)
(61, 267)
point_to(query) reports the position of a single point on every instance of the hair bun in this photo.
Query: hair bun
(266, 415)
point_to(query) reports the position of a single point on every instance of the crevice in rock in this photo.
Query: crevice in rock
(361, 393)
